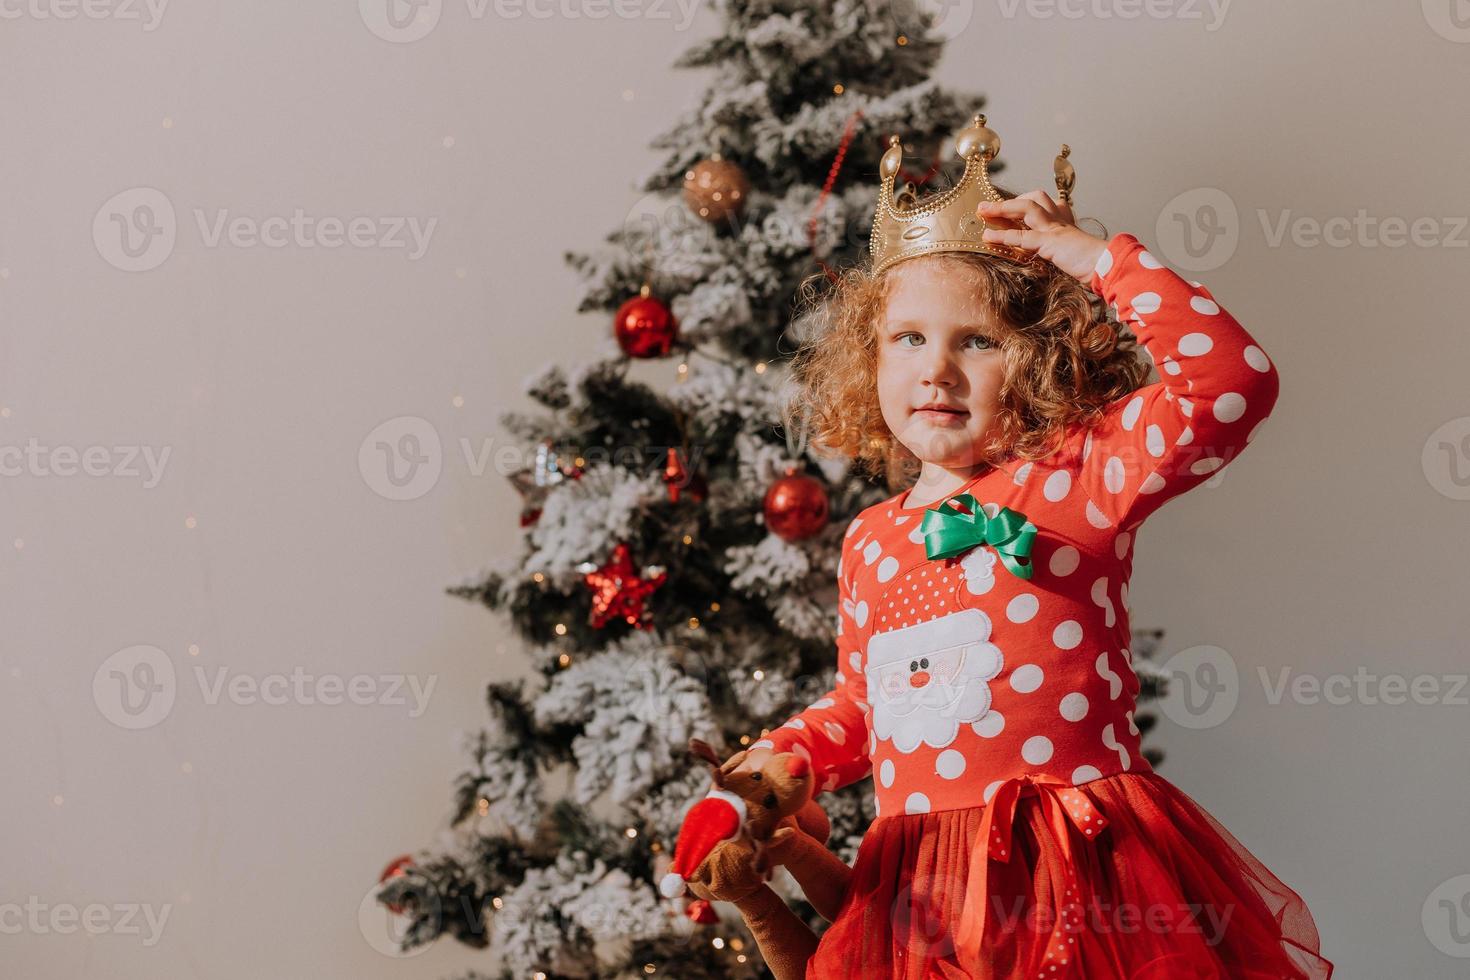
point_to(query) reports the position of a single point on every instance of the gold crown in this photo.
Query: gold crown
(904, 228)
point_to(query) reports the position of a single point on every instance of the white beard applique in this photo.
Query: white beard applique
(926, 680)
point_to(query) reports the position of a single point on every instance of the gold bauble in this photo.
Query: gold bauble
(715, 189)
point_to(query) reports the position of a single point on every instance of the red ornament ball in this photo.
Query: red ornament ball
(796, 506)
(645, 327)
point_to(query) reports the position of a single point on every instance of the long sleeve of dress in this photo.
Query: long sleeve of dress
(1216, 386)
(833, 730)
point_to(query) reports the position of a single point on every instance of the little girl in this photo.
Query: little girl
(984, 677)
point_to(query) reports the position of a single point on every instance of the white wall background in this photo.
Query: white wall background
(1335, 546)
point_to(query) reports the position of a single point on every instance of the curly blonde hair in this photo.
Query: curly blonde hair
(1064, 362)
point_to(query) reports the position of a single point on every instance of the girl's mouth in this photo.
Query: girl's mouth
(940, 415)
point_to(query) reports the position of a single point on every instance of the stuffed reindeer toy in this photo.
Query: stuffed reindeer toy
(733, 838)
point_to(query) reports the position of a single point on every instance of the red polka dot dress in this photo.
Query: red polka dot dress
(1020, 831)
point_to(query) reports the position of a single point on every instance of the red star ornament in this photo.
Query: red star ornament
(617, 591)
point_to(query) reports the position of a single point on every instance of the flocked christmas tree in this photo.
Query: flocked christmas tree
(677, 577)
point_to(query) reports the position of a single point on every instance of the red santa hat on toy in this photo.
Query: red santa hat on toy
(709, 823)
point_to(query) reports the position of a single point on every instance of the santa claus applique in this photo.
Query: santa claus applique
(928, 679)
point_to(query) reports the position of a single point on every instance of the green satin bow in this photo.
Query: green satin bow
(948, 532)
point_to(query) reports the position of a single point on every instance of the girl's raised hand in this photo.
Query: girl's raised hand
(1037, 223)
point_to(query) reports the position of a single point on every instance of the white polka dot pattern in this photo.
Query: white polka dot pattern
(1216, 386)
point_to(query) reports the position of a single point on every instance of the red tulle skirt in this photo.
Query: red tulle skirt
(1164, 892)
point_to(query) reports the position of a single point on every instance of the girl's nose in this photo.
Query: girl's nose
(919, 679)
(939, 369)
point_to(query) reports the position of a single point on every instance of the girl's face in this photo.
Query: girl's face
(937, 346)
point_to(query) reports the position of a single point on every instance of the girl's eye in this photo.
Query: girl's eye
(983, 343)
